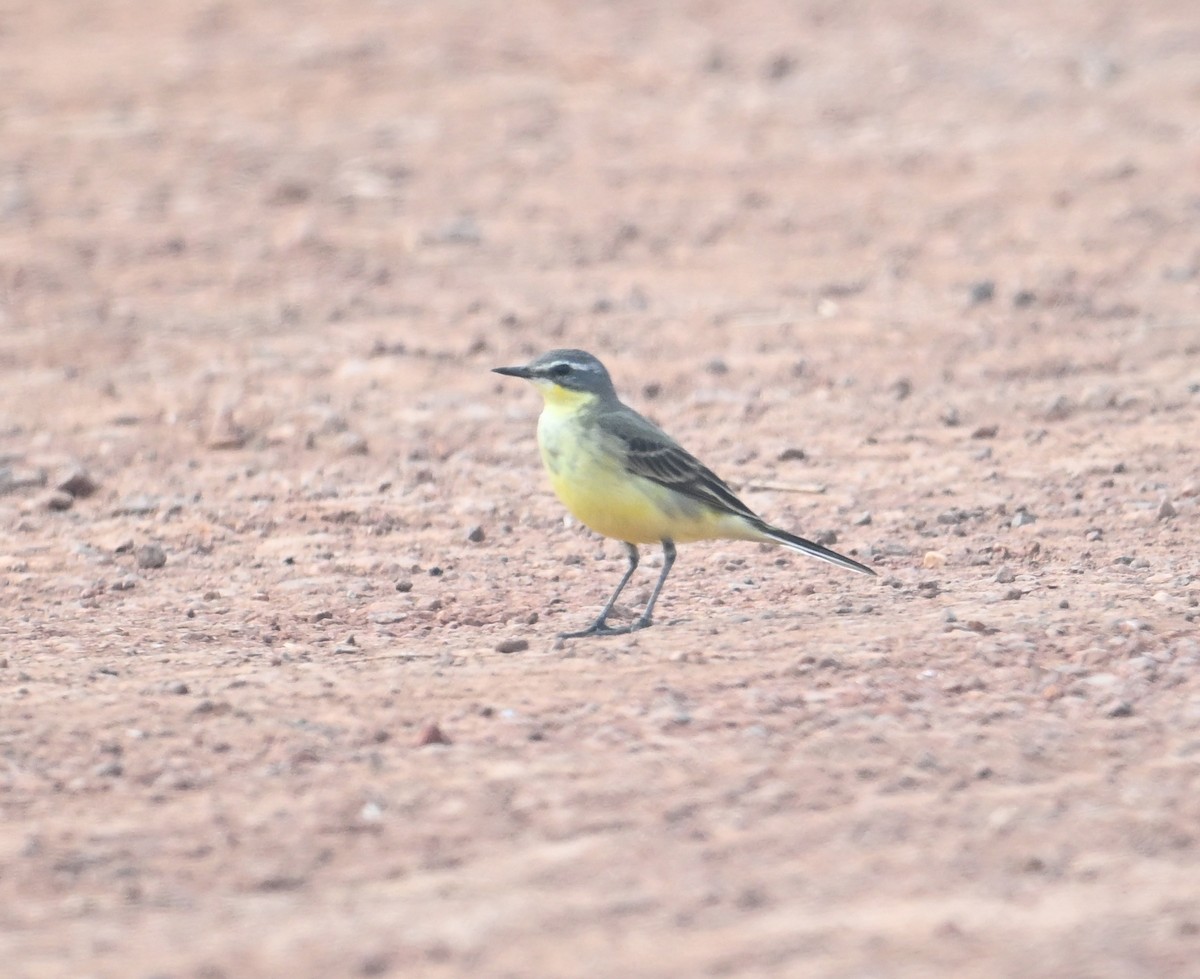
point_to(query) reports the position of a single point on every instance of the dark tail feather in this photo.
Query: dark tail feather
(816, 550)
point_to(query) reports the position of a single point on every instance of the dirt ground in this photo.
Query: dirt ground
(925, 275)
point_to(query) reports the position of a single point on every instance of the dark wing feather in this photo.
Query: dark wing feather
(652, 454)
(663, 461)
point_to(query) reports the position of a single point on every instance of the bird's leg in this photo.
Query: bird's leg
(600, 627)
(668, 561)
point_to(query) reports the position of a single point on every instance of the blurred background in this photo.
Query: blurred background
(514, 172)
(918, 276)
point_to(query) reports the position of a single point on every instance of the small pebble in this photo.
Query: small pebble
(461, 230)
(431, 734)
(1095, 69)
(1022, 517)
(1012, 595)
(1058, 408)
(178, 688)
(1119, 708)
(863, 519)
(779, 67)
(1004, 576)
(77, 481)
(476, 535)
(1166, 510)
(404, 585)
(982, 292)
(12, 480)
(933, 559)
(792, 454)
(985, 432)
(136, 506)
(1102, 397)
(225, 433)
(151, 556)
(56, 501)
(387, 618)
(512, 646)
(351, 444)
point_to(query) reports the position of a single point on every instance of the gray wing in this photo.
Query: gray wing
(654, 455)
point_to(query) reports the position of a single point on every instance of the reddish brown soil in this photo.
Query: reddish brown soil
(923, 274)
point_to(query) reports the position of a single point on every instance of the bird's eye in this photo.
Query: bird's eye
(560, 370)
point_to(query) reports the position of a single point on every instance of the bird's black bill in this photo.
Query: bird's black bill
(513, 371)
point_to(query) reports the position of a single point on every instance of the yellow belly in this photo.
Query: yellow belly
(592, 483)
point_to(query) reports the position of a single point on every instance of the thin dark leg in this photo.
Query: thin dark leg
(600, 627)
(668, 562)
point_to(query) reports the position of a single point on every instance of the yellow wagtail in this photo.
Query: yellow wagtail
(625, 478)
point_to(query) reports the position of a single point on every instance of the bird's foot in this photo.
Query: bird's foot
(602, 628)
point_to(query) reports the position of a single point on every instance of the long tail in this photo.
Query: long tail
(810, 547)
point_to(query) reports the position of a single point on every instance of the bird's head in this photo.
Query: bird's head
(565, 375)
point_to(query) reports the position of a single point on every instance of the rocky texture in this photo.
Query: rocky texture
(931, 264)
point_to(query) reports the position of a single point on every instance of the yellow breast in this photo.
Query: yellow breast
(587, 471)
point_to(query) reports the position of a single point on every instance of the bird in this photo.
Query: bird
(623, 477)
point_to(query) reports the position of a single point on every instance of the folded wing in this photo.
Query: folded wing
(670, 465)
